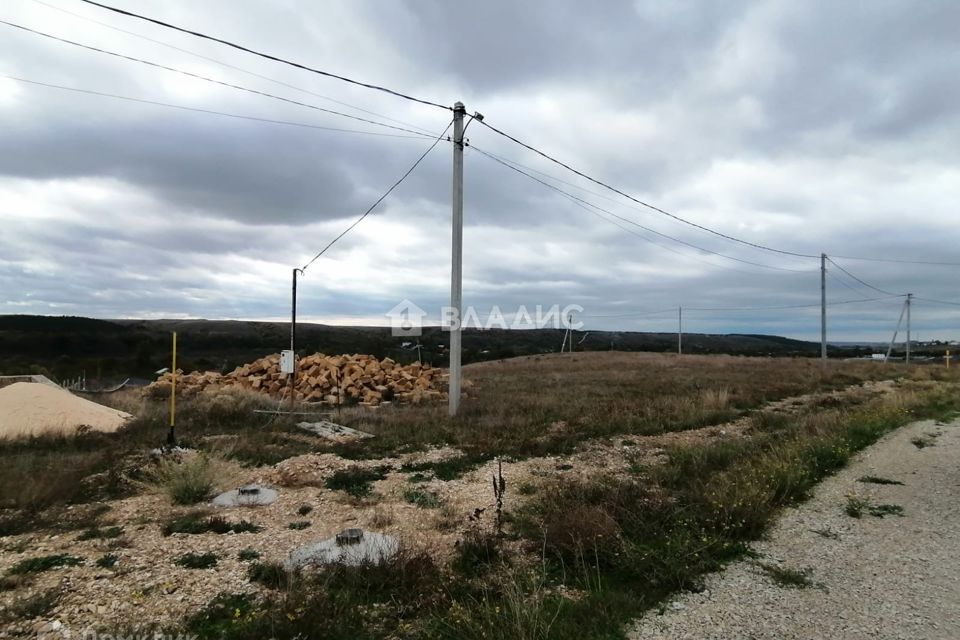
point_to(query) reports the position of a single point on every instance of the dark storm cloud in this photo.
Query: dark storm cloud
(810, 126)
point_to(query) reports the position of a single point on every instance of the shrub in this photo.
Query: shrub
(107, 561)
(187, 481)
(197, 560)
(95, 533)
(247, 555)
(356, 480)
(423, 499)
(45, 563)
(299, 525)
(196, 523)
(270, 574)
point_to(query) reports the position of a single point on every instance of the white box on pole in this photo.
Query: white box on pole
(286, 361)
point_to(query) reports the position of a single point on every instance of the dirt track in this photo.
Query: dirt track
(890, 577)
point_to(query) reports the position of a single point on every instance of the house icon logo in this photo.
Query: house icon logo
(406, 319)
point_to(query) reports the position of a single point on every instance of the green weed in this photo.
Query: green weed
(197, 560)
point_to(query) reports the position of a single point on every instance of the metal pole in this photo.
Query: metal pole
(909, 298)
(680, 330)
(823, 306)
(456, 275)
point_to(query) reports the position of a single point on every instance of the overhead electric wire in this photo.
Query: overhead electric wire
(597, 194)
(791, 306)
(843, 282)
(898, 261)
(212, 111)
(227, 65)
(627, 220)
(380, 199)
(934, 301)
(638, 201)
(630, 315)
(212, 80)
(866, 284)
(267, 56)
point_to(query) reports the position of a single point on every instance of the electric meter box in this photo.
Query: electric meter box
(286, 361)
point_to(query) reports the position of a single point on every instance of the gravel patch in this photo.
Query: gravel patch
(872, 577)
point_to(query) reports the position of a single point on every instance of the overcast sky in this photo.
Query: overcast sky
(804, 126)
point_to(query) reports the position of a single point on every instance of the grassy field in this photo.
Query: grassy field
(575, 555)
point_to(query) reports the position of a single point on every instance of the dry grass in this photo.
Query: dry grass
(193, 478)
(514, 405)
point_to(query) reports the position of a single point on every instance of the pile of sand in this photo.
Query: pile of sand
(31, 409)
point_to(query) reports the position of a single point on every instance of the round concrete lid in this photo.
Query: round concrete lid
(251, 495)
(371, 547)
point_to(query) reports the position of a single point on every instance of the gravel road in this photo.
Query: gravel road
(890, 577)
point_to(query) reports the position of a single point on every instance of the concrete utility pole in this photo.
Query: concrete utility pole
(679, 330)
(456, 276)
(293, 339)
(903, 309)
(909, 298)
(823, 306)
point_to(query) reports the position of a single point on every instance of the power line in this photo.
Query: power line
(630, 315)
(206, 79)
(866, 284)
(210, 111)
(380, 199)
(791, 306)
(954, 304)
(267, 55)
(577, 199)
(897, 261)
(843, 282)
(226, 64)
(640, 202)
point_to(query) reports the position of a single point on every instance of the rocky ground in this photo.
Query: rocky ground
(822, 573)
(146, 586)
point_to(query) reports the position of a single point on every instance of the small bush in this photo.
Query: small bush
(36, 605)
(45, 563)
(855, 506)
(304, 509)
(197, 560)
(877, 480)
(299, 525)
(449, 469)
(221, 615)
(423, 499)
(247, 555)
(192, 479)
(477, 553)
(881, 510)
(95, 533)
(196, 523)
(796, 578)
(270, 574)
(356, 480)
(107, 561)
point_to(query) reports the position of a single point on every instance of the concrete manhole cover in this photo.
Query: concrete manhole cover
(351, 547)
(251, 495)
